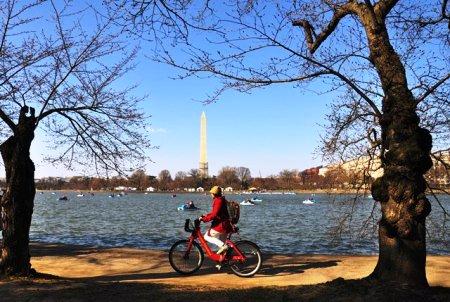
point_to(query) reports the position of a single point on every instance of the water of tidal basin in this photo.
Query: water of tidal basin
(279, 224)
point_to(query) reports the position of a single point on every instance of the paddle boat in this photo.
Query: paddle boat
(256, 199)
(309, 201)
(247, 202)
(185, 207)
(80, 195)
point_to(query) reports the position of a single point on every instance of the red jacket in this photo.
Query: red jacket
(219, 216)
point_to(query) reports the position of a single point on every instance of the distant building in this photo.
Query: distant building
(200, 189)
(438, 174)
(228, 189)
(150, 189)
(123, 188)
(323, 171)
(311, 171)
(356, 166)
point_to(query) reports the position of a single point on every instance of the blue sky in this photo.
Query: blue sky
(268, 130)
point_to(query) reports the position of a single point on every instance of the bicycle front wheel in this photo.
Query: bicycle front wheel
(183, 261)
(253, 260)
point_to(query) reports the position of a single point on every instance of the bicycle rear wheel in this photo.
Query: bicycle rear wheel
(183, 261)
(253, 260)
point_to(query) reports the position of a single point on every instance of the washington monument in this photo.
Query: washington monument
(203, 167)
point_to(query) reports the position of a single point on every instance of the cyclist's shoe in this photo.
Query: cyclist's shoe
(222, 249)
(218, 266)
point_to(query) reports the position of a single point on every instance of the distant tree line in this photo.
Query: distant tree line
(238, 178)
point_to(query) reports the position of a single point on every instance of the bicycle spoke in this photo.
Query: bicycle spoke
(252, 262)
(183, 261)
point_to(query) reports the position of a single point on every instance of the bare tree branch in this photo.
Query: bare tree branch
(383, 7)
(7, 120)
(433, 88)
(61, 69)
(312, 39)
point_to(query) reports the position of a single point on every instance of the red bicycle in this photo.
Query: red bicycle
(186, 256)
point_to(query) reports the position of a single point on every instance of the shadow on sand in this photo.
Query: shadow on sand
(268, 268)
(112, 291)
(130, 286)
(39, 249)
(285, 268)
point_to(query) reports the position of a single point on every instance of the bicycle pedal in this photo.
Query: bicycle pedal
(218, 266)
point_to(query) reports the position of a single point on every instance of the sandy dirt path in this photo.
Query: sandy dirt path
(152, 266)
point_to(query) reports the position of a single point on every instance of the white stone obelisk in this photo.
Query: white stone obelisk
(203, 167)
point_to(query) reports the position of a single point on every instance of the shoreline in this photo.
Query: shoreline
(82, 273)
(268, 192)
(365, 193)
(289, 254)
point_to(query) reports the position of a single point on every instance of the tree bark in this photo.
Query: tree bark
(404, 206)
(401, 190)
(18, 201)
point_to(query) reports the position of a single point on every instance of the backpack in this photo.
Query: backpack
(233, 211)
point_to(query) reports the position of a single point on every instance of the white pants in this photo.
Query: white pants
(215, 237)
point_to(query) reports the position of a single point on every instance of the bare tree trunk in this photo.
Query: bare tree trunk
(404, 206)
(18, 200)
(401, 190)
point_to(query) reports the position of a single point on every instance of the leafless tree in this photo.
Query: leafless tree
(138, 179)
(164, 180)
(244, 175)
(195, 178)
(288, 178)
(388, 59)
(228, 177)
(59, 65)
(180, 180)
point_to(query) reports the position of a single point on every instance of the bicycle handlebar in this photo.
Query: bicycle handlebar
(187, 225)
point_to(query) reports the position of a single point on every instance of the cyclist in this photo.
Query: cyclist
(221, 225)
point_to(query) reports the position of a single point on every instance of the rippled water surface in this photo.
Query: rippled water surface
(280, 223)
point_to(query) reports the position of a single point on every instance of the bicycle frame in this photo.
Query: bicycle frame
(197, 234)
